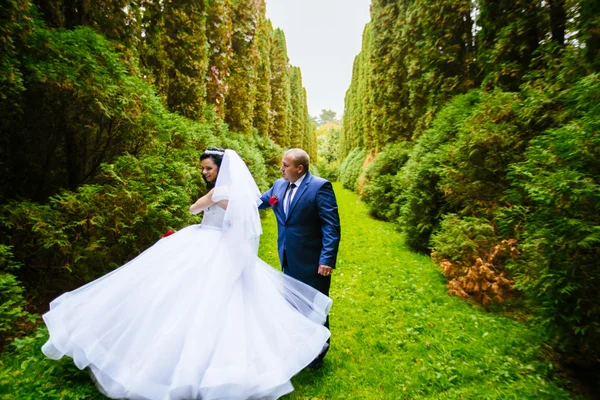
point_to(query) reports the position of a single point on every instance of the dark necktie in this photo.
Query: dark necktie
(288, 201)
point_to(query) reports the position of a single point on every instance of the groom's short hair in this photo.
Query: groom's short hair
(300, 157)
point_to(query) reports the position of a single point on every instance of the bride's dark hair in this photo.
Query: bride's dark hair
(216, 154)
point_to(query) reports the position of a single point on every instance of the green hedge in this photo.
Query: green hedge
(423, 202)
(556, 218)
(352, 168)
(96, 167)
(382, 190)
(13, 306)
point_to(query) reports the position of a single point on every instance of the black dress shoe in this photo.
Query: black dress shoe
(316, 364)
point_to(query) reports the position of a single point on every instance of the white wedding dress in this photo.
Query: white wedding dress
(196, 316)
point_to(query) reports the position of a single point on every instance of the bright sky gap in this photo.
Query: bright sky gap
(323, 37)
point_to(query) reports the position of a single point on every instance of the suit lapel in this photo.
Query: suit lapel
(298, 195)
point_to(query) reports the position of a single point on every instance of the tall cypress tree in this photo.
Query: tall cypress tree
(390, 94)
(262, 104)
(558, 20)
(440, 57)
(314, 143)
(239, 101)
(358, 133)
(296, 109)
(370, 139)
(348, 123)
(219, 31)
(186, 47)
(358, 103)
(15, 27)
(511, 31)
(589, 30)
(305, 117)
(280, 93)
(118, 20)
(153, 55)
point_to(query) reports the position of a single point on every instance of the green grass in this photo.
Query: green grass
(396, 334)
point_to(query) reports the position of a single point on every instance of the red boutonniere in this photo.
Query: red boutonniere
(273, 201)
(168, 233)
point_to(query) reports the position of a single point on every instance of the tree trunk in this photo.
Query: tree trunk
(558, 18)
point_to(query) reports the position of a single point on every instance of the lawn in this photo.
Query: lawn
(396, 334)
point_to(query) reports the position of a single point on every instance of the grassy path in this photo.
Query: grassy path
(397, 334)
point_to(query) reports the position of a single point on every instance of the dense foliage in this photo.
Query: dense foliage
(351, 169)
(420, 199)
(499, 116)
(13, 306)
(382, 184)
(554, 214)
(74, 99)
(328, 138)
(105, 110)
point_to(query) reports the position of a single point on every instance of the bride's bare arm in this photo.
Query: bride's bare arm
(206, 201)
(202, 203)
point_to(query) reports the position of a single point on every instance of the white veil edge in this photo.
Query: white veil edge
(236, 184)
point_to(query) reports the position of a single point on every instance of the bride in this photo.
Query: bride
(198, 315)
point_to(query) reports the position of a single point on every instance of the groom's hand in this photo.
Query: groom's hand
(325, 270)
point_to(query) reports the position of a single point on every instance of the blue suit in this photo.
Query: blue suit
(309, 235)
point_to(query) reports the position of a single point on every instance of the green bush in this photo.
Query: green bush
(473, 257)
(81, 108)
(78, 236)
(12, 303)
(97, 167)
(330, 171)
(271, 155)
(556, 191)
(463, 238)
(352, 167)
(473, 176)
(382, 190)
(423, 203)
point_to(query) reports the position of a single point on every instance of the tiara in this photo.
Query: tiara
(215, 152)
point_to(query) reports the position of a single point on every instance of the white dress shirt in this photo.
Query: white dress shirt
(287, 192)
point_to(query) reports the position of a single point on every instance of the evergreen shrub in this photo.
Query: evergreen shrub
(382, 190)
(12, 302)
(473, 258)
(352, 168)
(423, 203)
(473, 181)
(473, 176)
(80, 235)
(330, 171)
(557, 222)
(81, 108)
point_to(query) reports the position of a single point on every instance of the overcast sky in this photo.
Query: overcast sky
(323, 37)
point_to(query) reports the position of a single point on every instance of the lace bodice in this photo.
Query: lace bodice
(213, 217)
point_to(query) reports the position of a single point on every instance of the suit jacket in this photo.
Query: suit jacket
(310, 233)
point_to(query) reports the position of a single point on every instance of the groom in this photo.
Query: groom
(308, 224)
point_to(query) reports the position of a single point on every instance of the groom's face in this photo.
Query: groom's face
(290, 171)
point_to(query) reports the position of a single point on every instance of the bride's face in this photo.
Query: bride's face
(210, 170)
